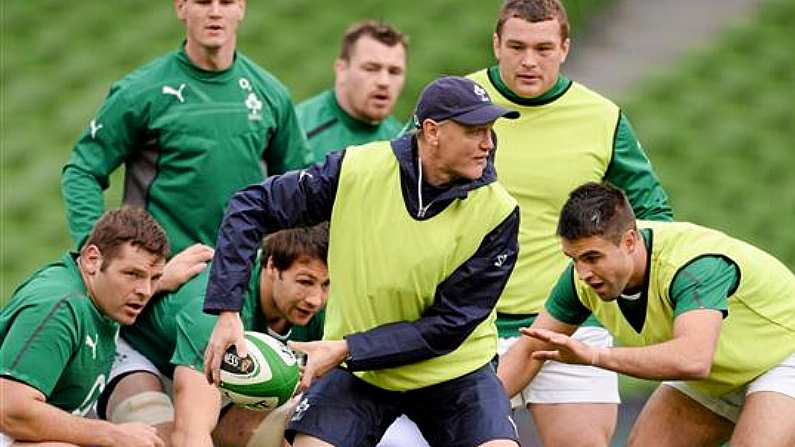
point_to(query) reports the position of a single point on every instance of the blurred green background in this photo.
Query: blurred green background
(719, 125)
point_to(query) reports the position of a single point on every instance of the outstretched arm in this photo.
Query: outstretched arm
(687, 356)
(24, 408)
(519, 366)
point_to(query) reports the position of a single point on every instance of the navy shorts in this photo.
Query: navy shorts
(346, 411)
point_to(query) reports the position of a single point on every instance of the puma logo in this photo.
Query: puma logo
(168, 90)
(500, 260)
(93, 345)
(94, 128)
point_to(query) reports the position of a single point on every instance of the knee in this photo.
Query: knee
(150, 407)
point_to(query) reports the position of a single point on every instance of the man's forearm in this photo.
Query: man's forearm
(26, 425)
(197, 405)
(671, 360)
(83, 201)
(516, 367)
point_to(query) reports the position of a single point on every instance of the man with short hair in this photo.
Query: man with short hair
(422, 241)
(166, 346)
(567, 135)
(191, 128)
(710, 314)
(58, 335)
(368, 78)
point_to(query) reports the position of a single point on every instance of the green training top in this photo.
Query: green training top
(56, 340)
(189, 139)
(568, 136)
(174, 330)
(754, 290)
(329, 128)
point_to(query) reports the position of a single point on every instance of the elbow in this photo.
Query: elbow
(14, 421)
(696, 369)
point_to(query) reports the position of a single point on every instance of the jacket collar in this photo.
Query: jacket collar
(434, 199)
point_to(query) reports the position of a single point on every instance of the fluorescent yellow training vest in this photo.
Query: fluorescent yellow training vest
(543, 156)
(385, 266)
(759, 331)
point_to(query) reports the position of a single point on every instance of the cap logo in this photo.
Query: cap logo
(481, 92)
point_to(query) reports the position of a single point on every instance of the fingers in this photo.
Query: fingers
(212, 364)
(546, 336)
(298, 346)
(306, 379)
(241, 347)
(547, 355)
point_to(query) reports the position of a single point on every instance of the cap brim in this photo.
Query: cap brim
(484, 115)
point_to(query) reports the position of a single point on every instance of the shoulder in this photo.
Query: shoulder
(591, 96)
(310, 107)
(262, 77)
(143, 78)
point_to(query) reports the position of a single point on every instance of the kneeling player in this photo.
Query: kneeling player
(168, 342)
(58, 335)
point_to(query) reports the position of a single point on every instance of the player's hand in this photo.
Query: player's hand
(322, 356)
(184, 266)
(566, 349)
(135, 434)
(228, 331)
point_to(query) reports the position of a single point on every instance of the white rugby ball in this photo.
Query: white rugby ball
(263, 380)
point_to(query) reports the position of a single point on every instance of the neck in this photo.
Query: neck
(639, 261)
(342, 101)
(210, 59)
(275, 319)
(430, 169)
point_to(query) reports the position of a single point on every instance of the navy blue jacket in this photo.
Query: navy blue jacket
(302, 198)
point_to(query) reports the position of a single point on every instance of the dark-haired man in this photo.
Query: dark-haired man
(423, 239)
(567, 135)
(58, 335)
(710, 314)
(166, 346)
(368, 78)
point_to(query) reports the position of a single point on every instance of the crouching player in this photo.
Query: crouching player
(59, 330)
(163, 354)
(711, 315)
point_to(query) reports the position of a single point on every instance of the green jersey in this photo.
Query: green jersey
(329, 128)
(174, 330)
(56, 340)
(566, 137)
(189, 139)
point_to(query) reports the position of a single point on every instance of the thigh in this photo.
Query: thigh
(240, 427)
(575, 424)
(671, 418)
(343, 410)
(464, 412)
(575, 404)
(767, 414)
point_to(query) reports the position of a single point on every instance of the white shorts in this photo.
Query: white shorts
(779, 379)
(128, 360)
(558, 383)
(5, 440)
(403, 433)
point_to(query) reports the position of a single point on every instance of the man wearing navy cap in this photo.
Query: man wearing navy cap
(415, 272)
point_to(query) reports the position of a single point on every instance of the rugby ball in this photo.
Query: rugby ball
(263, 380)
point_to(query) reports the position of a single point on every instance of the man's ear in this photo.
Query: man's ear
(179, 8)
(495, 46)
(631, 239)
(565, 45)
(91, 259)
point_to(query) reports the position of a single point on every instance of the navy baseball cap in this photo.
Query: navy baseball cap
(459, 99)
